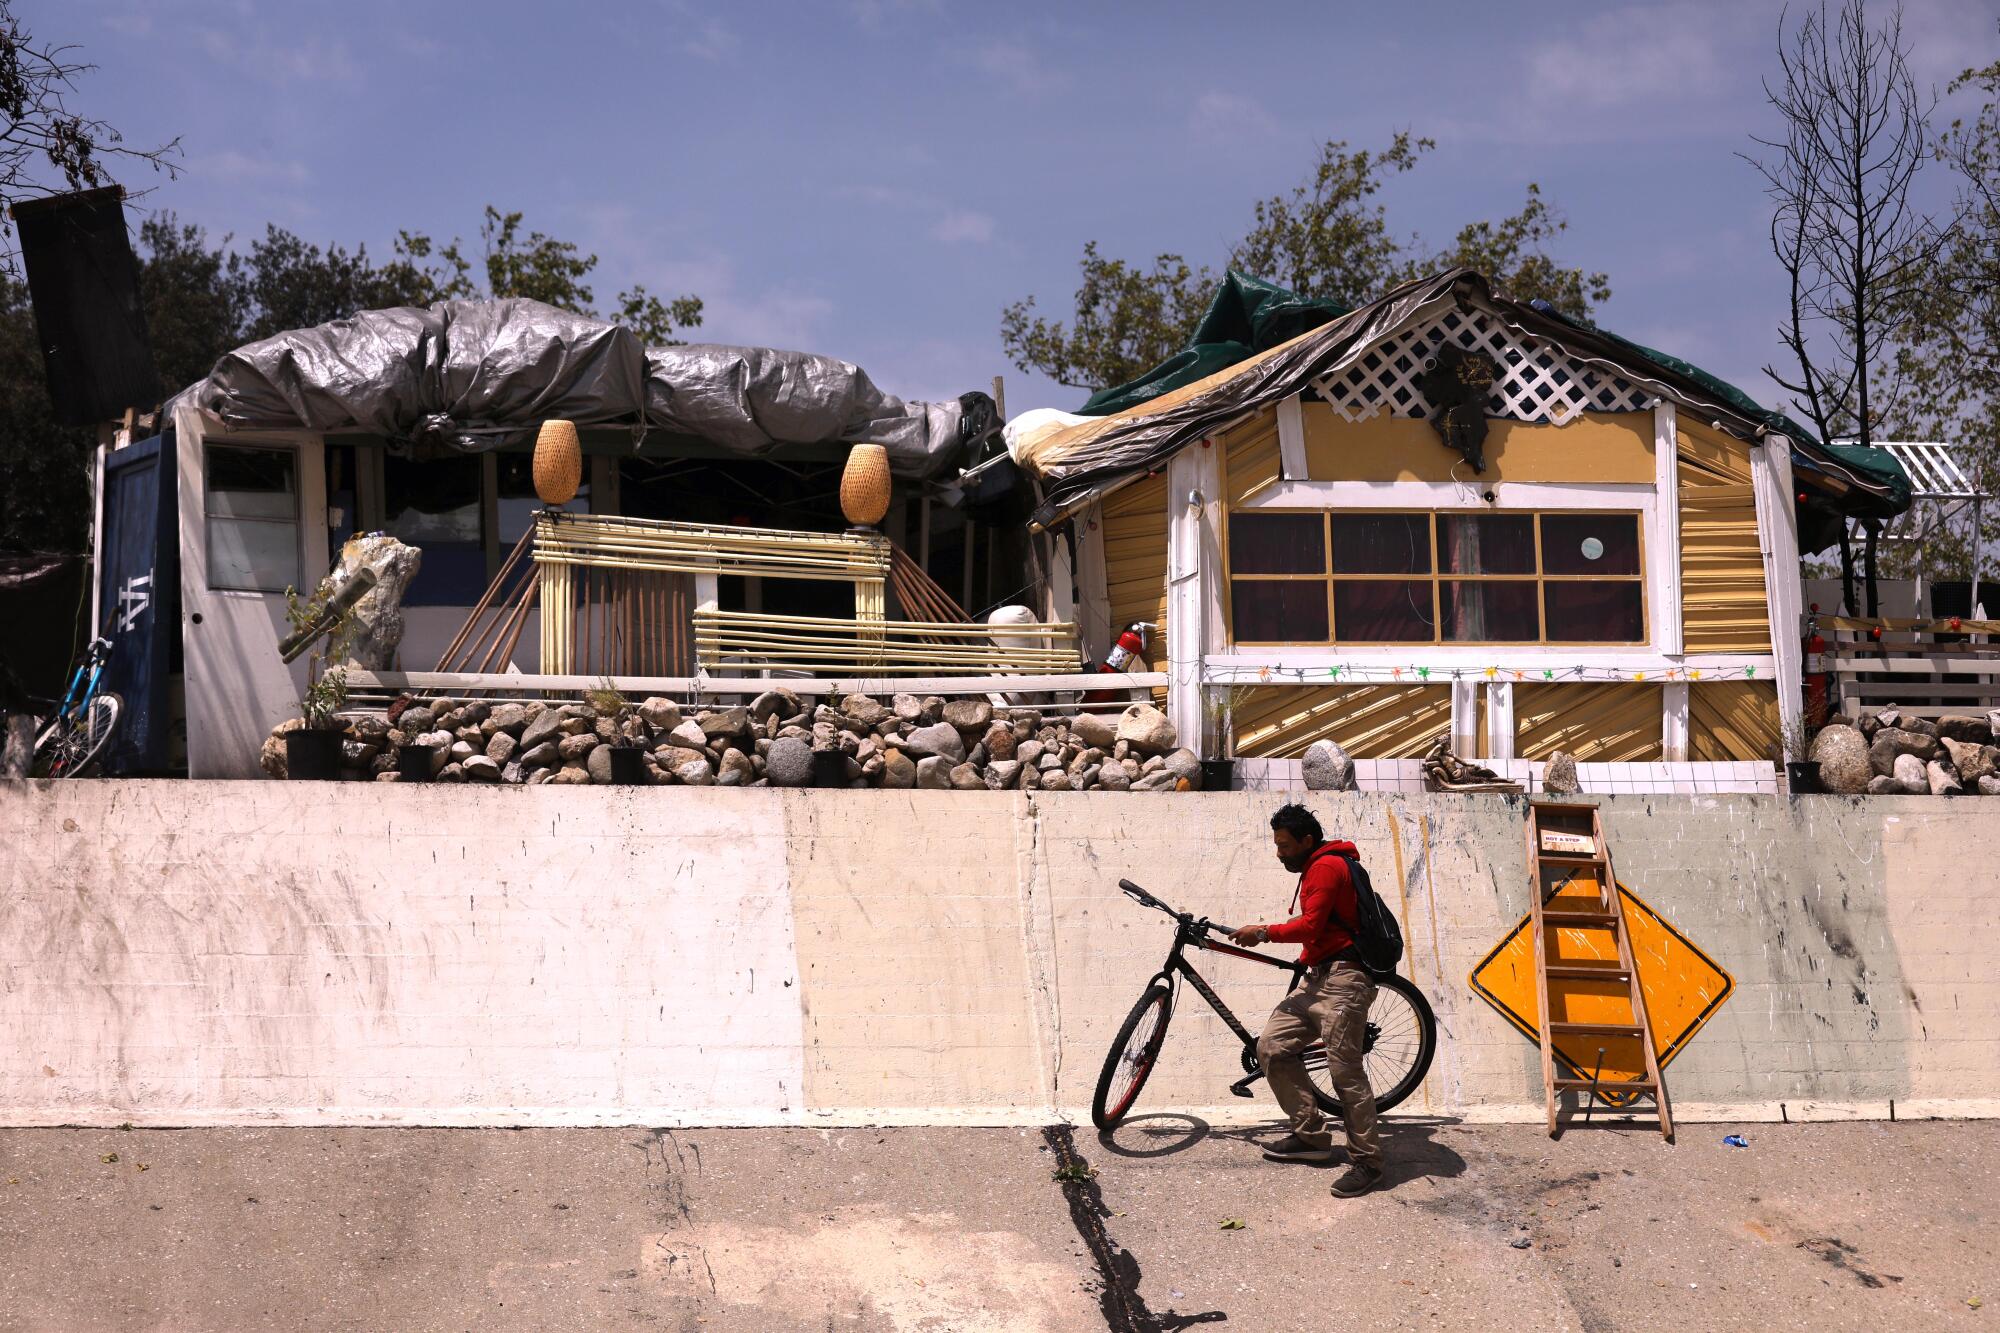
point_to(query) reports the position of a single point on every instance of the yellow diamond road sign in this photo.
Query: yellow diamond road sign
(1683, 987)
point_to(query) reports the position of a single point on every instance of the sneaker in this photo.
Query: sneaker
(1292, 1148)
(1356, 1180)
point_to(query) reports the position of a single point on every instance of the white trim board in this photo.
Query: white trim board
(1632, 495)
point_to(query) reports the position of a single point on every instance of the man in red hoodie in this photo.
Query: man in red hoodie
(1331, 1005)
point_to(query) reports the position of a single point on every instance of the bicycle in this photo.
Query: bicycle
(1401, 1036)
(76, 735)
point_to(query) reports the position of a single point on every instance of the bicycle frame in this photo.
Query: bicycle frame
(1194, 932)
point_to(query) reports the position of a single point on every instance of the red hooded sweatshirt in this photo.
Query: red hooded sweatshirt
(1325, 898)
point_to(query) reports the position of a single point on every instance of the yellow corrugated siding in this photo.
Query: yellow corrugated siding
(1600, 722)
(1733, 720)
(1725, 607)
(1135, 562)
(1367, 721)
(1250, 457)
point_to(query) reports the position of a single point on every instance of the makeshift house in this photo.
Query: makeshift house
(1450, 514)
(420, 423)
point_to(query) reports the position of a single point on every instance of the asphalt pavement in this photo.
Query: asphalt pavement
(1168, 1224)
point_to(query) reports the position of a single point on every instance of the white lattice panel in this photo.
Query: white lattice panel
(1538, 381)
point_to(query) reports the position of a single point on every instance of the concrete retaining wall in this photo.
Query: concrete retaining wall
(197, 953)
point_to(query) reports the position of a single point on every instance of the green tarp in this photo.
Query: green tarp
(1246, 316)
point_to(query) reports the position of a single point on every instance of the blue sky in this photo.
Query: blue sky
(875, 180)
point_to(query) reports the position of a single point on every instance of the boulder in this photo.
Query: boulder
(1965, 728)
(900, 771)
(378, 616)
(964, 777)
(735, 770)
(688, 735)
(541, 756)
(907, 708)
(774, 703)
(789, 764)
(544, 726)
(598, 764)
(971, 716)
(1095, 729)
(460, 751)
(1909, 776)
(1028, 752)
(1003, 774)
(500, 747)
(695, 773)
(662, 715)
(574, 749)
(510, 718)
(1892, 741)
(934, 773)
(1969, 760)
(1146, 729)
(1112, 777)
(940, 738)
(1327, 768)
(671, 757)
(1056, 781)
(862, 708)
(1944, 782)
(1922, 726)
(1559, 778)
(1845, 760)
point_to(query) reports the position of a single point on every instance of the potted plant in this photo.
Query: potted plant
(1218, 709)
(1801, 774)
(312, 752)
(630, 733)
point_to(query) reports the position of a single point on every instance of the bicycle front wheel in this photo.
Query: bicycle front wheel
(1396, 1054)
(1133, 1053)
(72, 745)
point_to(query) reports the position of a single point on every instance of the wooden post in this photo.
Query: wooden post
(1194, 588)
(1778, 534)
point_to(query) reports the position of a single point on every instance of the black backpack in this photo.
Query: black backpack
(1377, 937)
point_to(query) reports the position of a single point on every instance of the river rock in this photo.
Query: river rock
(500, 747)
(541, 756)
(899, 770)
(1182, 763)
(1970, 761)
(862, 708)
(1965, 728)
(735, 770)
(1145, 728)
(1845, 762)
(933, 773)
(720, 724)
(1112, 777)
(789, 764)
(1559, 778)
(1095, 729)
(598, 764)
(939, 738)
(1944, 782)
(774, 703)
(574, 749)
(1989, 786)
(695, 773)
(1892, 741)
(1056, 781)
(971, 716)
(1326, 767)
(662, 715)
(1881, 786)
(544, 726)
(1909, 776)
(1003, 774)
(1000, 741)
(964, 777)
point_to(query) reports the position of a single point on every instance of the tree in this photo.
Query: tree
(1943, 369)
(1328, 238)
(47, 148)
(1854, 135)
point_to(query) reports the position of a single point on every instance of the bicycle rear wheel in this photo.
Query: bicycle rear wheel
(1133, 1053)
(72, 745)
(1402, 1038)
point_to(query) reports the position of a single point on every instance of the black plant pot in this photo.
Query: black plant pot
(1804, 779)
(1218, 774)
(829, 768)
(628, 767)
(313, 756)
(414, 763)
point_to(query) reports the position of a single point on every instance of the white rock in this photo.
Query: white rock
(1327, 768)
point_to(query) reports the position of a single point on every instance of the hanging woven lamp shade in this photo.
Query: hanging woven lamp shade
(864, 485)
(558, 462)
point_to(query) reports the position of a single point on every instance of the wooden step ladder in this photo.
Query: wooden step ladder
(1565, 844)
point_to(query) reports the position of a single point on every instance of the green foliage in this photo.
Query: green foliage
(605, 699)
(44, 467)
(326, 689)
(1328, 238)
(1942, 370)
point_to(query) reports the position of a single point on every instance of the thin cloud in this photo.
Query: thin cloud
(1219, 117)
(1016, 68)
(711, 40)
(240, 168)
(964, 227)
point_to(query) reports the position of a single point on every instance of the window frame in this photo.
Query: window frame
(1437, 577)
(210, 518)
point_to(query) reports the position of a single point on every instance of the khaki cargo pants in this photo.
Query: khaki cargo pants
(1330, 1005)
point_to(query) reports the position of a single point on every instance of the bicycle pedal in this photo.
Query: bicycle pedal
(1241, 1087)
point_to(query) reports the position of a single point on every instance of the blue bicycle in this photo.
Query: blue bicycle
(74, 739)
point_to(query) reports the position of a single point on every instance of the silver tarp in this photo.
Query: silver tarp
(470, 375)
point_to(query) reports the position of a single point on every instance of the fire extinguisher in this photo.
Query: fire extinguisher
(1818, 704)
(1131, 645)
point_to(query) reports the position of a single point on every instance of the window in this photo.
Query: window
(436, 506)
(518, 503)
(1380, 576)
(251, 498)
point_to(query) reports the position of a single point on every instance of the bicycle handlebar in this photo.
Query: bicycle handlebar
(1146, 899)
